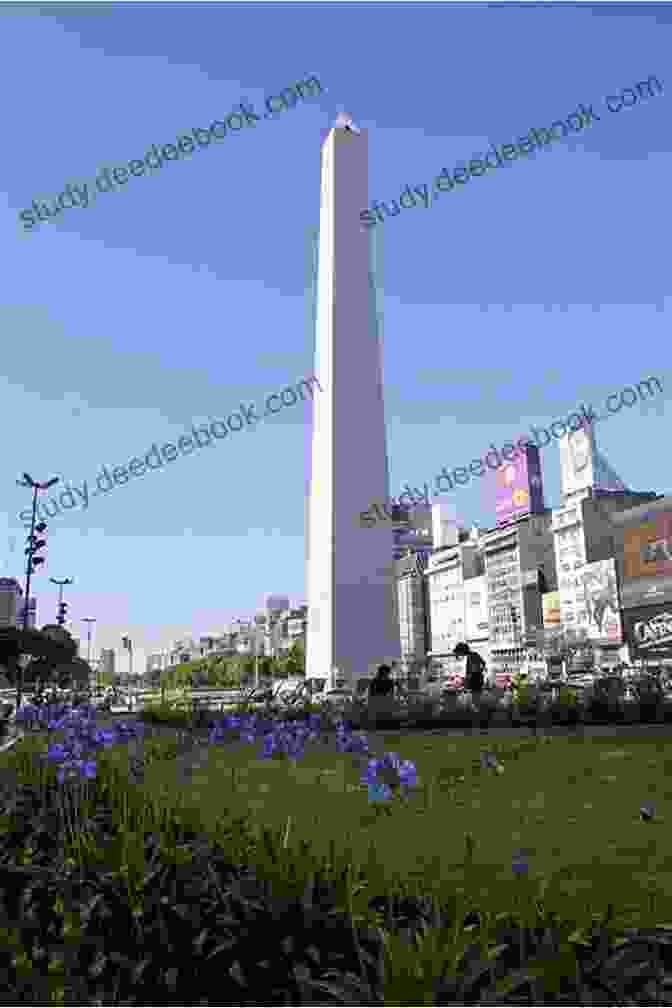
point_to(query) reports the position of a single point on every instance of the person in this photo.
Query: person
(381, 690)
(382, 684)
(475, 678)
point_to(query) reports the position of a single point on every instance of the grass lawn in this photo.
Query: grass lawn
(572, 802)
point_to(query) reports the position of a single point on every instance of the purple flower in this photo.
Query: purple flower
(520, 862)
(379, 791)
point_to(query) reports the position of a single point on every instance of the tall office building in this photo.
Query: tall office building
(352, 622)
(11, 603)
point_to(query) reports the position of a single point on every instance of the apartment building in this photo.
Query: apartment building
(519, 565)
(452, 566)
(587, 561)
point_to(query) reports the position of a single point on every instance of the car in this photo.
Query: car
(408, 699)
(337, 697)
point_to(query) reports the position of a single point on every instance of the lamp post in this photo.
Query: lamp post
(32, 560)
(88, 620)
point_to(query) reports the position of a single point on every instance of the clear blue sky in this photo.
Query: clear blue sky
(509, 302)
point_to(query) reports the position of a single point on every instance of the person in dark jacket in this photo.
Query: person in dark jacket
(475, 678)
(381, 689)
(382, 685)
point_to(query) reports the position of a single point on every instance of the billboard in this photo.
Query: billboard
(550, 605)
(518, 486)
(648, 631)
(577, 452)
(582, 466)
(601, 592)
(647, 561)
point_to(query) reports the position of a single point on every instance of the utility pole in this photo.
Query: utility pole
(32, 560)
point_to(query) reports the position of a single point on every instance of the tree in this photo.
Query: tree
(50, 652)
(295, 659)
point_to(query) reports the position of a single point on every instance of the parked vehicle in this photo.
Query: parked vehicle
(336, 698)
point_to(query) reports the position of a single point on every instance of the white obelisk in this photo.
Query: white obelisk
(352, 621)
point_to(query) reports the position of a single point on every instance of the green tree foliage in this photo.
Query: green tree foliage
(295, 659)
(50, 653)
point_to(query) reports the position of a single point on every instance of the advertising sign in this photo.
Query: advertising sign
(648, 631)
(550, 604)
(604, 619)
(577, 451)
(645, 591)
(518, 486)
(647, 548)
(647, 561)
(582, 467)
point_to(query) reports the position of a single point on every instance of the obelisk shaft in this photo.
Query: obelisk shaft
(352, 614)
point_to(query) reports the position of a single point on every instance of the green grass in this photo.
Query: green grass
(572, 802)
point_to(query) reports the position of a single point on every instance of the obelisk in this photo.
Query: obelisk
(352, 621)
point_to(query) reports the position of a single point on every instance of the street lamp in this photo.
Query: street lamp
(32, 560)
(88, 620)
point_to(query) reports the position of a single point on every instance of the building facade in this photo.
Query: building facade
(586, 557)
(413, 608)
(643, 536)
(519, 566)
(450, 566)
(11, 595)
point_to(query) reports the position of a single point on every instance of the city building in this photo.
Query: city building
(297, 622)
(455, 561)
(519, 567)
(184, 650)
(587, 551)
(412, 546)
(413, 608)
(476, 622)
(643, 546)
(586, 557)
(352, 623)
(156, 663)
(411, 530)
(11, 595)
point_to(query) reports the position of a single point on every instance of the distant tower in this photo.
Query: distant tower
(350, 574)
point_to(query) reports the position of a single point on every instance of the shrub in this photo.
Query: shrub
(163, 714)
